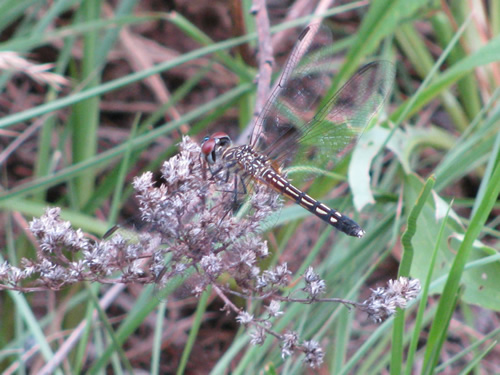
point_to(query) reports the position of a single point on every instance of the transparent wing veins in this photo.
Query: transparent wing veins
(293, 125)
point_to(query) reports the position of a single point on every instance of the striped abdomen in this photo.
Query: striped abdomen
(331, 216)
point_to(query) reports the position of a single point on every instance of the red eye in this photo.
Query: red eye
(208, 146)
(220, 135)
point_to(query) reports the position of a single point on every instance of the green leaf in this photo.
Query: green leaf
(481, 281)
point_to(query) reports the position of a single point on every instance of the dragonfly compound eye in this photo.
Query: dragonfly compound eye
(208, 150)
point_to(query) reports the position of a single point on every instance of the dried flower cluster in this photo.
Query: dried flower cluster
(65, 256)
(192, 219)
(190, 224)
(384, 301)
(191, 231)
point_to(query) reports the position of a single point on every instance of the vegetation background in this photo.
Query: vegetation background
(188, 67)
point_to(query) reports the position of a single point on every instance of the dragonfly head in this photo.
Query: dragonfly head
(212, 147)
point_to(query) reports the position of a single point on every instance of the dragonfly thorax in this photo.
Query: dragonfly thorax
(247, 159)
(217, 148)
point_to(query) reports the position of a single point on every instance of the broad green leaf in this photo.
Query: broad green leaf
(481, 282)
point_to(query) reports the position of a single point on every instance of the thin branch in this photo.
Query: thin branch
(265, 63)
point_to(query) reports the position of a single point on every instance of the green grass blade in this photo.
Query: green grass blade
(85, 115)
(451, 288)
(417, 329)
(404, 270)
(193, 332)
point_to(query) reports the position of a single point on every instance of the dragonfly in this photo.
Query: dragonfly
(297, 123)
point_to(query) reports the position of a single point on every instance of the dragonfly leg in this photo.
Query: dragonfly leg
(214, 173)
(235, 205)
(234, 202)
(226, 168)
(243, 186)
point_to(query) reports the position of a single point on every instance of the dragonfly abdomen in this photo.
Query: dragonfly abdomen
(330, 215)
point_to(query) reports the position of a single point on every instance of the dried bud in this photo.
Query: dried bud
(384, 301)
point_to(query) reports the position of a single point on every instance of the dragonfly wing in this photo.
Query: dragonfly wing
(336, 127)
(297, 122)
(304, 81)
